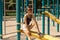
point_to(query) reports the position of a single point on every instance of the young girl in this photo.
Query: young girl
(28, 24)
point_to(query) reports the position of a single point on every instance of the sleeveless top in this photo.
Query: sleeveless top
(28, 19)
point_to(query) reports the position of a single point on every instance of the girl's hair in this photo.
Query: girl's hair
(29, 8)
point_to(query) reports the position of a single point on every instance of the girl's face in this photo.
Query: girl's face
(30, 11)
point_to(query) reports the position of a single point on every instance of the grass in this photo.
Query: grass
(10, 14)
(14, 14)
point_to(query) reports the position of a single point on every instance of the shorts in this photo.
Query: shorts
(23, 27)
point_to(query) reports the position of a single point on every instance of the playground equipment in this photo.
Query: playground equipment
(57, 11)
(1, 15)
(54, 11)
(43, 15)
(43, 20)
(18, 16)
(44, 37)
(52, 17)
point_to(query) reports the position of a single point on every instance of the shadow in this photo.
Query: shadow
(57, 35)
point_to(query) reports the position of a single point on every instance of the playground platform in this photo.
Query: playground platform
(10, 32)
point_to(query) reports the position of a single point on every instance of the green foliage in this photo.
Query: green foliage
(10, 14)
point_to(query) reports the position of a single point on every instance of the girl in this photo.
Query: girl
(28, 24)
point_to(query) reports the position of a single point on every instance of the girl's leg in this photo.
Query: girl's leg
(31, 25)
(27, 33)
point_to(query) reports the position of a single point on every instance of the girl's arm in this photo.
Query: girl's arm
(36, 23)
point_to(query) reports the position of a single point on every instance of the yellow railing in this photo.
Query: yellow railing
(52, 17)
(44, 37)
